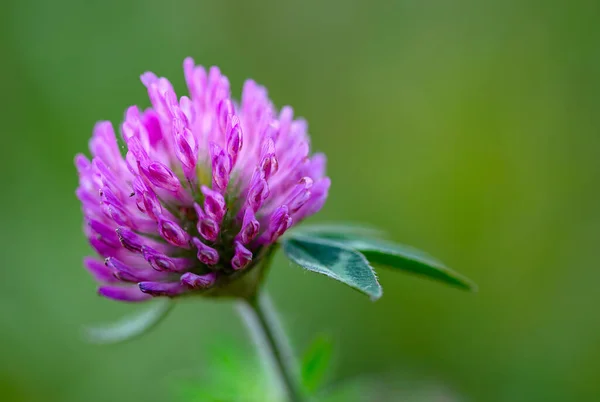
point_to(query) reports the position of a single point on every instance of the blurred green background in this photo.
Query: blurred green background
(470, 129)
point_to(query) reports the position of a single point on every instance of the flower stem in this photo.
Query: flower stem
(261, 320)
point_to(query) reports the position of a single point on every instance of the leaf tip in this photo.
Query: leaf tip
(472, 287)
(466, 284)
(377, 295)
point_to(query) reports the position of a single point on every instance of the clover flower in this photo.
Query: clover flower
(206, 187)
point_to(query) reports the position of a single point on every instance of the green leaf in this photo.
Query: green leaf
(133, 326)
(316, 362)
(402, 257)
(334, 260)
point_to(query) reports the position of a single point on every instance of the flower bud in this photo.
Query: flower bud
(173, 233)
(214, 204)
(199, 281)
(258, 192)
(162, 262)
(242, 256)
(207, 255)
(234, 139)
(162, 177)
(221, 167)
(279, 223)
(250, 227)
(186, 146)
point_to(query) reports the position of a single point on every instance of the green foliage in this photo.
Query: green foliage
(133, 326)
(387, 387)
(334, 260)
(316, 363)
(383, 252)
(337, 230)
(229, 375)
(469, 125)
(409, 259)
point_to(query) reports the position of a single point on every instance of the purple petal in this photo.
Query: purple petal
(214, 204)
(188, 72)
(199, 281)
(112, 205)
(162, 177)
(82, 163)
(100, 167)
(157, 87)
(161, 262)
(104, 144)
(234, 139)
(208, 228)
(109, 197)
(186, 146)
(224, 111)
(268, 146)
(99, 270)
(146, 200)
(105, 233)
(88, 200)
(173, 233)
(151, 123)
(300, 194)
(129, 274)
(316, 166)
(221, 167)
(136, 154)
(169, 289)
(187, 107)
(286, 116)
(170, 99)
(206, 254)
(250, 227)
(319, 192)
(242, 256)
(279, 223)
(258, 192)
(200, 214)
(268, 162)
(269, 165)
(102, 248)
(148, 78)
(218, 85)
(271, 131)
(129, 240)
(118, 215)
(123, 293)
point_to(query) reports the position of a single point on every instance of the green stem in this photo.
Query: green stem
(261, 320)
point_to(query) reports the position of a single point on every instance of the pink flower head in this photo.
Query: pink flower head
(206, 184)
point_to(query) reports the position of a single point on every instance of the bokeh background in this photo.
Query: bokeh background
(470, 129)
